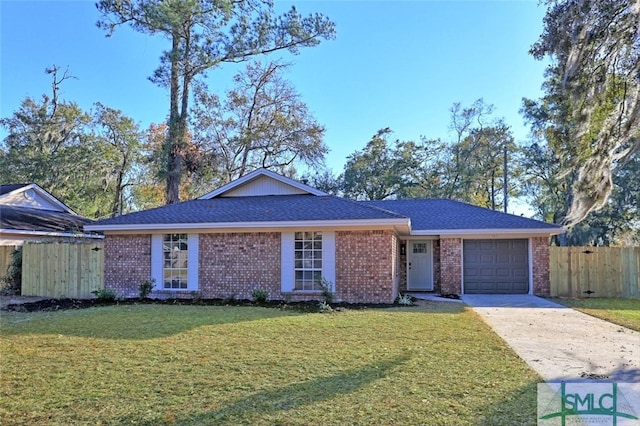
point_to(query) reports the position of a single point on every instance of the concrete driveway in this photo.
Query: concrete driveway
(561, 344)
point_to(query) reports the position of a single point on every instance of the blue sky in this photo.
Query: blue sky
(397, 64)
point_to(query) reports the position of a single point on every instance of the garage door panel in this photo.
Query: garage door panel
(496, 266)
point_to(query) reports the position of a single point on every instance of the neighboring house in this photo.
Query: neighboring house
(28, 212)
(265, 231)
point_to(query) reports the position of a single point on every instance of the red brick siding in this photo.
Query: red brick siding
(235, 264)
(451, 265)
(127, 263)
(364, 266)
(436, 266)
(402, 287)
(541, 280)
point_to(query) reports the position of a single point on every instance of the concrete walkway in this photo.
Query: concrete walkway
(561, 344)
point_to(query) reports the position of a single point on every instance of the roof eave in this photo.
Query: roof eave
(49, 233)
(400, 223)
(490, 232)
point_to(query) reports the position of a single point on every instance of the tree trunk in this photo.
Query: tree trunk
(172, 144)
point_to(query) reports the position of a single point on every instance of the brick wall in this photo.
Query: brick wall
(402, 286)
(541, 280)
(127, 263)
(235, 264)
(437, 287)
(364, 266)
(451, 265)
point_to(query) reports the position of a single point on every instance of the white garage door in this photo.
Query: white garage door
(496, 266)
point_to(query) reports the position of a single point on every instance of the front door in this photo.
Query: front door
(419, 266)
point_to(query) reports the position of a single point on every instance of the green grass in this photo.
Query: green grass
(625, 312)
(435, 364)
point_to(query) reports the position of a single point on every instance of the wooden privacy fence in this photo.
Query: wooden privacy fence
(595, 271)
(62, 269)
(6, 257)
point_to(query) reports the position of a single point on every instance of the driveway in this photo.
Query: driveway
(561, 344)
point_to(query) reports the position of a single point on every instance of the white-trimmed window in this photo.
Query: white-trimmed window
(308, 260)
(307, 257)
(174, 261)
(175, 251)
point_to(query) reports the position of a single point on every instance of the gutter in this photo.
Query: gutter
(50, 234)
(395, 223)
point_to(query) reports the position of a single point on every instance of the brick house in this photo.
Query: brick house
(265, 231)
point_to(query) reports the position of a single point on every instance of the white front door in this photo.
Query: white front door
(419, 265)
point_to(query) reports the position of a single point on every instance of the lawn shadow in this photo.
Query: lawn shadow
(133, 322)
(259, 405)
(521, 406)
(515, 408)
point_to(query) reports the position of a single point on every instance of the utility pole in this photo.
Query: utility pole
(506, 186)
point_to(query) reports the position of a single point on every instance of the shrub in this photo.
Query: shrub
(405, 300)
(260, 295)
(146, 288)
(327, 290)
(13, 279)
(324, 307)
(105, 294)
(196, 296)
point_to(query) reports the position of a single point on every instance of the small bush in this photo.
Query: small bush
(327, 290)
(260, 295)
(196, 296)
(405, 300)
(324, 307)
(13, 280)
(146, 288)
(105, 294)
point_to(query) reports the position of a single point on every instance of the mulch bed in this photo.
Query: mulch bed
(47, 305)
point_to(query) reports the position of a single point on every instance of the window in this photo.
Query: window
(175, 248)
(307, 260)
(420, 247)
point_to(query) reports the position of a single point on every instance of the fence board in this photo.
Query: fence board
(605, 271)
(62, 269)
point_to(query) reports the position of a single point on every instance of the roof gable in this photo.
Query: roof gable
(31, 196)
(262, 182)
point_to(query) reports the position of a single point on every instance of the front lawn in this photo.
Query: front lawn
(625, 312)
(193, 365)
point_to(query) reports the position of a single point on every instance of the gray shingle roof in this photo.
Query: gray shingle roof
(434, 214)
(272, 208)
(425, 214)
(28, 219)
(5, 189)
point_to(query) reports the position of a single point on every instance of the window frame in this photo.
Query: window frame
(158, 262)
(287, 264)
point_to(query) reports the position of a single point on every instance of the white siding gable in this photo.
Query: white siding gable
(32, 197)
(262, 182)
(264, 185)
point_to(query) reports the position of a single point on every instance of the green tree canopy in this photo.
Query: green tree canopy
(589, 115)
(83, 158)
(262, 122)
(203, 34)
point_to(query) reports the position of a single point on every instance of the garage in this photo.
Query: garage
(496, 266)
